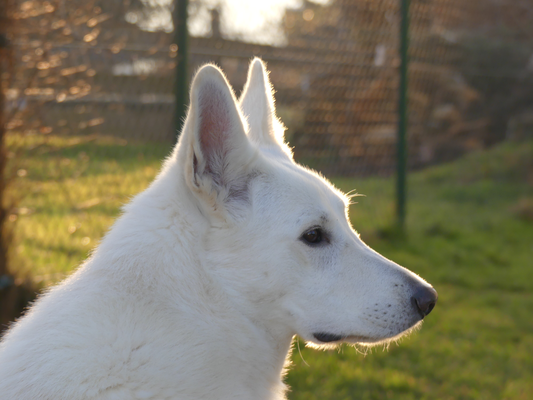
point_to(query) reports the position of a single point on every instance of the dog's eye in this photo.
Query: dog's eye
(313, 236)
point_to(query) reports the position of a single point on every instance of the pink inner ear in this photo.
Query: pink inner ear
(215, 122)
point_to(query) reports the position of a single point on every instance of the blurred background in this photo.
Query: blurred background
(93, 96)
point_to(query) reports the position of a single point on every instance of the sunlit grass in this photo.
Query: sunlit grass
(73, 190)
(468, 233)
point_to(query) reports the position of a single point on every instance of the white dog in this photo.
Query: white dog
(198, 289)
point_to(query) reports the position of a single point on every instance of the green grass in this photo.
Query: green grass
(469, 233)
(72, 192)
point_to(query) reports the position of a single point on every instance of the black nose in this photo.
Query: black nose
(424, 300)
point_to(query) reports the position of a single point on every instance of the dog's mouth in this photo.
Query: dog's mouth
(325, 337)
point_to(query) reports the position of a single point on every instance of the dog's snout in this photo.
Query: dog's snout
(424, 299)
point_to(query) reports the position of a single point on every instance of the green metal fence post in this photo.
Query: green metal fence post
(181, 38)
(402, 116)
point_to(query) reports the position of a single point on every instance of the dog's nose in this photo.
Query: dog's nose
(424, 300)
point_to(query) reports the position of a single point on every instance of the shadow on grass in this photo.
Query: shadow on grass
(15, 298)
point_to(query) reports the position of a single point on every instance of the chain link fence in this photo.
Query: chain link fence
(89, 102)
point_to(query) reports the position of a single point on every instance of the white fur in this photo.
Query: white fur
(198, 289)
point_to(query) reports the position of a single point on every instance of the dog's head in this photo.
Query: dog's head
(278, 234)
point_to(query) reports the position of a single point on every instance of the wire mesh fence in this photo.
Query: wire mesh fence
(89, 98)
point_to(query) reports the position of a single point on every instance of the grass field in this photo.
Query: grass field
(469, 232)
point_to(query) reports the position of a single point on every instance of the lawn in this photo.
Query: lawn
(469, 233)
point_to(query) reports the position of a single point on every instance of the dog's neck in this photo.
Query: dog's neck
(242, 346)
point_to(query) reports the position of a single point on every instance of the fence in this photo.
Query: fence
(90, 74)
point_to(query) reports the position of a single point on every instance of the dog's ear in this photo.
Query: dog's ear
(219, 157)
(257, 104)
